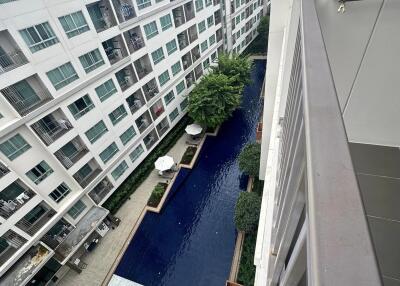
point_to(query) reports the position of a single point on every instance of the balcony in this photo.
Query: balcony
(102, 15)
(217, 17)
(192, 31)
(14, 197)
(195, 53)
(27, 95)
(150, 89)
(162, 127)
(183, 40)
(134, 39)
(198, 71)
(157, 109)
(3, 170)
(136, 101)
(124, 10)
(115, 49)
(143, 66)
(10, 242)
(179, 16)
(219, 35)
(126, 77)
(190, 79)
(189, 11)
(71, 152)
(143, 122)
(150, 139)
(101, 191)
(11, 56)
(57, 234)
(85, 175)
(35, 219)
(186, 60)
(52, 126)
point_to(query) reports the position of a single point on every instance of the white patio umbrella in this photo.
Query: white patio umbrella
(193, 129)
(164, 163)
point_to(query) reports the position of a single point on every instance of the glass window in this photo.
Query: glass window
(212, 40)
(91, 60)
(40, 172)
(201, 26)
(204, 46)
(62, 75)
(237, 19)
(180, 87)
(210, 21)
(184, 104)
(95, 132)
(208, 2)
(127, 135)
(213, 56)
(81, 106)
(157, 55)
(39, 37)
(105, 90)
(77, 209)
(206, 63)
(60, 193)
(14, 147)
(143, 4)
(174, 114)
(199, 5)
(163, 78)
(118, 114)
(171, 47)
(136, 153)
(74, 24)
(119, 170)
(166, 22)
(109, 152)
(169, 97)
(176, 68)
(150, 30)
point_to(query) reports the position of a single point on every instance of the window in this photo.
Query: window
(14, 147)
(212, 40)
(169, 97)
(208, 2)
(206, 63)
(163, 78)
(74, 24)
(127, 135)
(180, 87)
(150, 30)
(213, 56)
(95, 132)
(174, 114)
(199, 5)
(136, 153)
(210, 21)
(76, 209)
(237, 4)
(119, 170)
(39, 37)
(62, 75)
(237, 19)
(118, 114)
(184, 104)
(171, 47)
(105, 90)
(166, 22)
(60, 193)
(204, 46)
(157, 56)
(81, 106)
(143, 4)
(91, 60)
(40, 172)
(109, 152)
(176, 68)
(201, 26)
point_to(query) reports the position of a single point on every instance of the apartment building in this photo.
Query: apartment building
(87, 90)
(330, 145)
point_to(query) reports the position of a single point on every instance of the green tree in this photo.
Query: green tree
(214, 99)
(249, 159)
(247, 212)
(235, 66)
(263, 29)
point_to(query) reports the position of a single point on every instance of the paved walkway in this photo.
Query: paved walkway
(101, 259)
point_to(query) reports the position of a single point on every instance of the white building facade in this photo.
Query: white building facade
(87, 90)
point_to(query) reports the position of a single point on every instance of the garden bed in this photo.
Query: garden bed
(247, 270)
(188, 155)
(157, 195)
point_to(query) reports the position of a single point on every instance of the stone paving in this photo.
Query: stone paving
(100, 261)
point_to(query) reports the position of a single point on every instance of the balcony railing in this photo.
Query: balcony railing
(3, 170)
(9, 207)
(100, 191)
(50, 131)
(84, 181)
(12, 60)
(69, 160)
(32, 228)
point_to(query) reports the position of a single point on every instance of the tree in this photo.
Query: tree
(214, 99)
(235, 66)
(247, 212)
(249, 159)
(263, 29)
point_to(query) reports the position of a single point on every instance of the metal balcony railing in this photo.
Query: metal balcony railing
(3, 170)
(100, 191)
(50, 131)
(32, 228)
(69, 160)
(84, 181)
(9, 207)
(12, 60)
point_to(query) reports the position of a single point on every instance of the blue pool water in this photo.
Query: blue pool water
(191, 242)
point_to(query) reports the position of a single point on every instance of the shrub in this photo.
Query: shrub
(249, 159)
(157, 194)
(235, 66)
(247, 269)
(188, 155)
(247, 212)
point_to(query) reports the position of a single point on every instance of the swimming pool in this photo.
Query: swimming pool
(191, 242)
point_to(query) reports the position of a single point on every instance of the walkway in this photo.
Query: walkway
(101, 259)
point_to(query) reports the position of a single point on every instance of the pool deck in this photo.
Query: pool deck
(100, 261)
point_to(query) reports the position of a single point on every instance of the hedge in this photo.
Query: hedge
(247, 270)
(188, 155)
(157, 194)
(136, 178)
